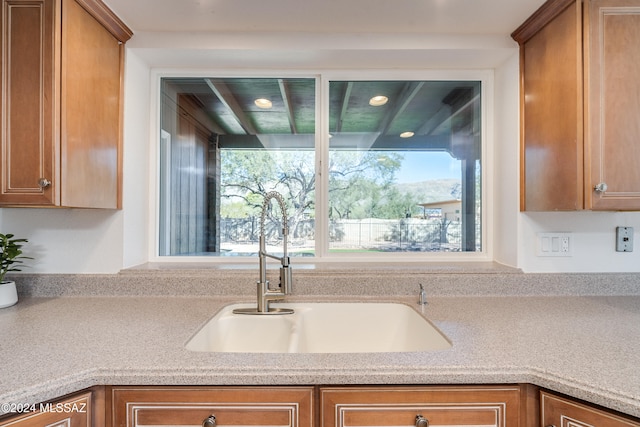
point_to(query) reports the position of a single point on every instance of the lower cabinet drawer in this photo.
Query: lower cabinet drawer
(558, 411)
(422, 407)
(212, 406)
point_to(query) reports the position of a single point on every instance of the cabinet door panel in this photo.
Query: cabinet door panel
(614, 104)
(236, 415)
(28, 143)
(561, 412)
(441, 406)
(178, 406)
(551, 103)
(400, 415)
(91, 86)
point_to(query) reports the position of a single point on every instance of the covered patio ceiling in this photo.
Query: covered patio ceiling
(433, 111)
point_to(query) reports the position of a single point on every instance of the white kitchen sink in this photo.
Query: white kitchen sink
(320, 328)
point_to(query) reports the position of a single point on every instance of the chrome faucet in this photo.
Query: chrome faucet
(422, 296)
(264, 292)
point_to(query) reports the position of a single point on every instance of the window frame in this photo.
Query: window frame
(323, 78)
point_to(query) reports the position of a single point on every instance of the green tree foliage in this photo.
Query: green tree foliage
(360, 183)
(248, 175)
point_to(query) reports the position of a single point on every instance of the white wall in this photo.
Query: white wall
(593, 238)
(506, 159)
(97, 241)
(136, 193)
(68, 240)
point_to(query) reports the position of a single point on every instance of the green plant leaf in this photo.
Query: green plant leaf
(11, 257)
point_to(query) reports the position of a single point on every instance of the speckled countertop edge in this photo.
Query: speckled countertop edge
(463, 279)
(584, 346)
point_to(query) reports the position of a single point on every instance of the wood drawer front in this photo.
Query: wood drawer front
(179, 406)
(441, 406)
(71, 412)
(561, 412)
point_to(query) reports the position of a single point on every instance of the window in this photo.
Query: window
(385, 166)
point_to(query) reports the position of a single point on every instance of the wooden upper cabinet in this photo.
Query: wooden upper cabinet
(559, 411)
(229, 406)
(420, 406)
(61, 104)
(580, 104)
(613, 124)
(551, 107)
(29, 136)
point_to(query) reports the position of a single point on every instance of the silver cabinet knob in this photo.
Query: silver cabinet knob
(601, 187)
(44, 182)
(421, 421)
(210, 421)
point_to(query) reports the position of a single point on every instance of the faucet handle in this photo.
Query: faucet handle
(422, 296)
(286, 279)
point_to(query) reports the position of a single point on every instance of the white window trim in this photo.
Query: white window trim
(323, 77)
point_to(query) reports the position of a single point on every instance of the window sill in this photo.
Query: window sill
(319, 268)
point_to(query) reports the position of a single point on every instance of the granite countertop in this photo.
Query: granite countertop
(584, 346)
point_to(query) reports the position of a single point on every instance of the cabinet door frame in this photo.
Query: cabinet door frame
(382, 405)
(561, 411)
(27, 156)
(189, 405)
(612, 128)
(551, 108)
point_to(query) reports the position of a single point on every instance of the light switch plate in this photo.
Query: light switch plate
(554, 244)
(624, 239)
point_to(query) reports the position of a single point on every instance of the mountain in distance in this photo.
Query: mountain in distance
(434, 190)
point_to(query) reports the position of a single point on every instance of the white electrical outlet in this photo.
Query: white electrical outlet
(554, 244)
(624, 239)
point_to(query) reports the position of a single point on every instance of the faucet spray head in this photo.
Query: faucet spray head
(286, 278)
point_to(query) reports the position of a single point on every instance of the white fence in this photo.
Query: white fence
(407, 234)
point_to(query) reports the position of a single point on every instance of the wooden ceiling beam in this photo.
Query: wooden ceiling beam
(344, 106)
(286, 98)
(447, 112)
(409, 91)
(202, 114)
(224, 94)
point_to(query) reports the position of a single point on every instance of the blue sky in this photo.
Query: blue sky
(425, 165)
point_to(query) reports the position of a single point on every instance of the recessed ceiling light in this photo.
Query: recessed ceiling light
(406, 134)
(378, 100)
(263, 103)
